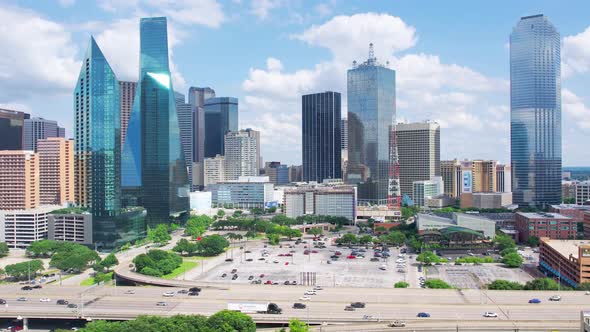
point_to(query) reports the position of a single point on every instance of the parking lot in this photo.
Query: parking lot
(475, 276)
(279, 265)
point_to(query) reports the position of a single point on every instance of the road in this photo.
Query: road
(448, 306)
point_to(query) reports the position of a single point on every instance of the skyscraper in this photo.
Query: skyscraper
(127, 93)
(321, 121)
(535, 100)
(19, 180)
(371, 112)
(277, 173)
(221, 117)
(154, 166)
(56, 171)
(241, 154)
(11, 129)
(97, 135)
(197, 97)
(185, 125)
(418, 146)
(38, 128)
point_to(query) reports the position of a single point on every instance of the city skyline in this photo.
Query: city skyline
(460, 81)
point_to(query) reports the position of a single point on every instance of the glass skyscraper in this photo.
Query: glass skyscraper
(154, 169)
(321, 121)
(11, 129)
(371, 112)
(535, 100)
(221, 117)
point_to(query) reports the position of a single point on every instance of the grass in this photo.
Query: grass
(185, 266)
(90, 281)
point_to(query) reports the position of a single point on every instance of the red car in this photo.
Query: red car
(306, 252)
(281, 255)
(268, 282)
(262, 275)
(351, 257)
(286, 263)
(337, 253)
(314, 251)
(288, 255)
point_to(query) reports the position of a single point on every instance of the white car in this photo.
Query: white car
(555, 298)
(44, 299)
(383, 267)
(316, 288)
(305, 298)
(588, 292)
(168, 294)
(490, 314)
(310, 292)
(130, 292)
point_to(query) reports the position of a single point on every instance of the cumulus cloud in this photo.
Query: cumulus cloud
(575, 110)
(576, 53)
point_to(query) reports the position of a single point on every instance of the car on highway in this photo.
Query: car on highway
(44, 299)
(357, 304)
(316, 288)
(490, 314)
(534, 300)
(310, 292)
(588, 292)
(22, 299)
(182, 291)
(162, 304)
(26, 288)
(168, 294)
(72, 305)
(224, 275)
(383, 267)
(397, 323)
(555, 298)
(298, 305)
(305, 298)
(194, 289)
(37, 287)
(193, 294)
(349, 308)
(229, 259)
(423, 315)
(61, 302)
(2, 301)
(234, 277)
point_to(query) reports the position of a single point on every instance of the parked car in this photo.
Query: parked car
(193, 294)
(234, 277)
(250, 277)
(44, 299)
(2, 301)
(194, 289)
(261, 275)
(72, 305)
(349, 308)
(305, 298)
(224, 275)
(310, 292)
(234, 270)
(182, 291)
(168, 294)
(130, 292)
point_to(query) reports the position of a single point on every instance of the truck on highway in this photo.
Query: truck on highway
(255, 308)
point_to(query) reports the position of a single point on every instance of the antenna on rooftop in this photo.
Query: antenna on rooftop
(371, 52)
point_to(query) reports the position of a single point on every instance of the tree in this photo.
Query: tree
(365, 239)
(3, 249)
(237, 213)
(508, 251)
(227, 320)
(220, 213)
(185, 246)
(73, 256)
(197, 225)
(504, 285)
(159, 234)
(541, 284)
(533, 241)
(109, 261)
(250, 235)
(174, 226)
(380, 229)
(437, 283)
(504, 242)
(348, 238)
(395, 238)
(157, 262)
(512, 260)
(212, 245)
(295, 325)
(42, 248)
(102, 277)
(585, 286)
(291, 233)
(401, 284)
(273, 238)
(20, 271)
(428, 257)
(315, 231)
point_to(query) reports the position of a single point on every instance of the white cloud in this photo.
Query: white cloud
(202, 12)
(576, 53)
(261, 8)
(575, 110)
(37, 55)
(16, 107)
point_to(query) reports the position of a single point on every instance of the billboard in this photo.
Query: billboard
(467, 181)
(268, 205)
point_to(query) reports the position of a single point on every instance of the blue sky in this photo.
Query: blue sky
(451, 59)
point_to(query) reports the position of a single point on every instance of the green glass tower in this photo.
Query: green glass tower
(154, 173)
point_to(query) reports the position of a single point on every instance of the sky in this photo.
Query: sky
(451, 60)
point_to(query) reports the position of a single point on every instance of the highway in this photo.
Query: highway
(448, 306)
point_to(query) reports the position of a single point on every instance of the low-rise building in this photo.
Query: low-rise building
(245, 193)
(322, 200)
(428, 222)
(70, 225)
(424, 190)
(567, 260)
(568, 189)
(497, 200)
(583, 192)
(201, 202)
(587, 225)
(19, 228)
(576, 212)
(380, 213)
(542, 224)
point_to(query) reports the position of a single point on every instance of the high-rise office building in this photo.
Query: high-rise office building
(127, 94)
(56, 171)
(11, 129)
(450, 171)
(344, 134)
(277, 173)
(322, 144)
(418, 146)
(214, 170)
(295, 173)
(484, 176)
(371, 112)
(97, 133)
(503, 178)
(535, 100)
(154, 166)
(39, 128)
(221, 117)
(241, 154)
(197, 97)
(185, 125)
(19, 180)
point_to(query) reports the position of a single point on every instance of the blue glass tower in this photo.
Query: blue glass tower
(535, 100)
(371, 112)
(221, 117)
(154, 169)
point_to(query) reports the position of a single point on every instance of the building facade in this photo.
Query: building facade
(295, 173)
(542, 224)
(11, 129)
(482, 225)
(245, 193)
(185, 125)
(19, 228)
(56, 171)
(214, 170)
(321, 200)
(277, 173)
(196, 98)
(495, 200)
(418, 147)
(503, 178)
(371, 113)
(19, 180)
(427, 189)
(568, 261)
(70, 227)
(583, 193)
(241, 154)
(535, 100)
(127, 91)
(221, 117)
(36, 129)
(321, 136)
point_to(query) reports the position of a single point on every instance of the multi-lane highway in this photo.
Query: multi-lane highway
(447, 306)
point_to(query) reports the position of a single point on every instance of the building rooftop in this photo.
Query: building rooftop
(543, 215)
(571, 206)
(566, 247)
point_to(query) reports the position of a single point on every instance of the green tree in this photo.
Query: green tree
(142, 261)
(533, 241)
(185, 246)
(271, 209)
(290, 233)
(150, 271)
(212, 245)
(348, 238)
(3, 249)
(512, 260)
(109, 261)
(428, 257)
(380, 229)
(197, 225)
(437, 283)
(250, 235)
(504, 285)
(504, 241)
(102, 277)
(273, 238)
(315, 231)
(174, 226)
(295, 325)
(20, 271)
(401, 284)
(220, 213)
(159, 234)
(541, 284)
(508, 251)
(42, 248)
(237, 213)
(227, 320)
(73, 256)
(585, 286)
(365, 239)
(395, 238)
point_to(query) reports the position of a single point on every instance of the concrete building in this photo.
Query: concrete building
(586, 224)
(56, 171)
(245, 193)
(486, 176)
(496, 200)
(576, 212)
(583, 193)
(36, 129)
(196, 98)
(242, 154)
(295, 173)
(450, 170)
(503, 178)
(424, 190)
(127, 94)
(482, 225)
(418, 146)
(277, 173)
(185, 125)
(568, 190)
(11, 129)
(19, 180)
(69, 225)
(201, 202)
(18, 228)
(585, 321)
(321, 200)
(214, 170)
(567, 260)
(541, 224)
